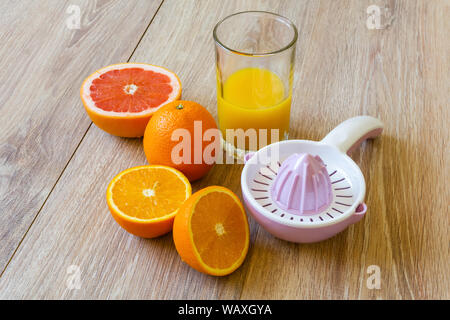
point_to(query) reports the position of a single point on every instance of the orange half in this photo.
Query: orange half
(211, 231)
(144, 200)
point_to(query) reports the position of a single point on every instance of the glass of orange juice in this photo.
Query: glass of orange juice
(255, 53)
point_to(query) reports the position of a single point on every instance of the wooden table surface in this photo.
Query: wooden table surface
(55, 164)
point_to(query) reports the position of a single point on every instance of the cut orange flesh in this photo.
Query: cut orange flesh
(144, 200)
(211, 231)
(130, 90)
(121, 98)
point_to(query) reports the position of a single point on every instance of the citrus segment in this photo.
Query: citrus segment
(144, 200)
(121, 98)
(211, 231)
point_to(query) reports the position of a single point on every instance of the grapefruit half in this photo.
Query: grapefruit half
(121, 98)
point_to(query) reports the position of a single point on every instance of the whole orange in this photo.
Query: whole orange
(174, 137)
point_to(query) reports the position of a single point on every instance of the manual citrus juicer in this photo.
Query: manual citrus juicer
(308, 191)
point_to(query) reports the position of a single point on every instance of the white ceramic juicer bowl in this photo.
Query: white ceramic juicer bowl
(307, 191)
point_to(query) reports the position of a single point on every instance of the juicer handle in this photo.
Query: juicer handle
(352, 132)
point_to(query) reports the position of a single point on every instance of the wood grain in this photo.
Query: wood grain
(399, 74)
(42, 66)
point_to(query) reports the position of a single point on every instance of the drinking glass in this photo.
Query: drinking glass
(255, 52)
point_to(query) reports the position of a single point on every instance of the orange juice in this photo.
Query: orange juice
(254, 98)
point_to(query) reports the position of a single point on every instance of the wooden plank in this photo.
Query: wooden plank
(399, 74)
(343, 69)
(42, 66)
(81, 232)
